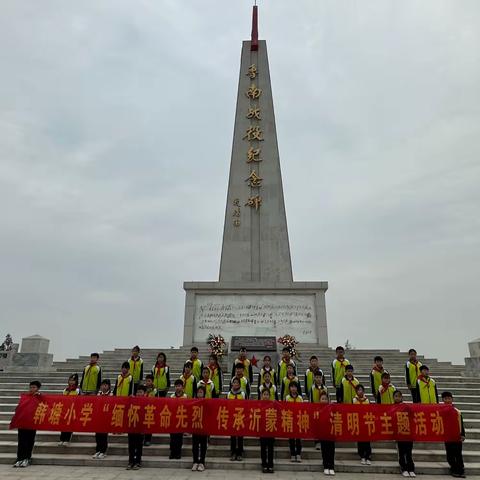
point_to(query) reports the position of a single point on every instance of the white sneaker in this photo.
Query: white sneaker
(24, 463)
(412, 474)
(363, 461)
(405, 474)
(66, 444)
(95, 455)
(60, 444)
(368, 462)
(332, 472)
(293, 458)
(17, 464)
(101, 455)
(326, 472)
(299, 459)
(194, 467)
(201, 467)
(317, 446)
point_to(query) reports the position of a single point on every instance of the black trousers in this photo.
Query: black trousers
(266, 451)
(415, 395)
(135, 448)
(364, 450)
(338, 395)
(26, 441)
(147, 438)
(236, 445)
(455, 457)
(199, 448)
(405, 456)
(295, 445)
(162, 393)
(102, 442)
(176, 443)
(328, 454)
(66, 436)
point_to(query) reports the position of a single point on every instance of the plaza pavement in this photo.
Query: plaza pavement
(44, 472)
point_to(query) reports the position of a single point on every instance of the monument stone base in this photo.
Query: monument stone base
(255, 309)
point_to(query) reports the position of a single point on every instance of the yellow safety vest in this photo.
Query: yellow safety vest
(282, 368)
(286, 384)
(376, 378)
(209, 387)
(413, 370)
(296, 399)
(215, 378)
(188, 383)
(363, 401)
(272, 390)
(197, 368)
(90, 378)
(71, 392)
(136, 369)
(151, 393)
(349, 391)
(271, 371)
(386, 394)
(160, 374)
(316, 392)
(338, 371)
(123, 386)
(236, 396)
(427, 390)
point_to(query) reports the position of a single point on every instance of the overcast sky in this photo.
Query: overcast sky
(116, 123)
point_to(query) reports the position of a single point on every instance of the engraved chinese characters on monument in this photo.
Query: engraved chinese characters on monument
(262, 314)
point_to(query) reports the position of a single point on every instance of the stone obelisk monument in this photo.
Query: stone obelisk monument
(256, 294)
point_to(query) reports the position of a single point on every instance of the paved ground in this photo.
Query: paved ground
(91, 473)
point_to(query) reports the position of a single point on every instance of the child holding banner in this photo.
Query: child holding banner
(124, 384)
(327, 446)
(26, 437)
(267, 443)
(161, 375)
(295, 444)
(71, 389)
(405, 459)
(338, 371)
(454, 449)
(199, 442)
(364, 448)
(176, 439)
(236, 443)
(101, 439)
(135, 442)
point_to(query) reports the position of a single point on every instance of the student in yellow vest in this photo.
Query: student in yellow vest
(338, 371)
(266, 443)
(412, 371)
(101, 439)
(247, 365)
(267, 367)
(268, 386)
(349, 384)
(386, 391)
(283, 364)
(206, 383)
(405, 448)
(376, 374)
(71, 389)
(327, 446)
(135, 441)
(216, 374)
(244, 383)
(199, 442)
(364, 448)
(317, 389)
(312, 368)
(176, 439)
(189, 380)
(454, 449)
(136, 367)
(150, 391)
(426, 386)
(236, 443)
(161, 375)
(289, 378)
(197, 364)
(91, 376)
(295, 444)
(124, 384)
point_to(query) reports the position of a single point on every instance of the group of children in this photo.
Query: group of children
(274, 383)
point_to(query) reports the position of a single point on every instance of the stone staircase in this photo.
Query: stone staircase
(429, 457)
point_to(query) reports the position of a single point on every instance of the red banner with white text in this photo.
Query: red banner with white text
(346, 423)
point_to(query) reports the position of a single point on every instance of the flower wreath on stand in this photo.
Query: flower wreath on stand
(216, 344)
(290, 342)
